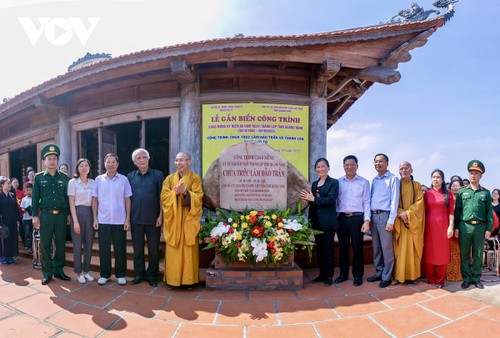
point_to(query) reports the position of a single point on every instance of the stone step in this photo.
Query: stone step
(206, 256)
(94, 262)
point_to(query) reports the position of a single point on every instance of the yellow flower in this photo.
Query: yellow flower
(235, 245)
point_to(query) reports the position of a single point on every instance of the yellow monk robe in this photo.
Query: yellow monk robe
(181, 225)
(409, 238)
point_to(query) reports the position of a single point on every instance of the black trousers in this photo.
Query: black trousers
(324, 246)
(152, 234)
(112, 233)
(350, 233)
(27, 227)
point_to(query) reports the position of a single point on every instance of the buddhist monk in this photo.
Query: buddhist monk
(181, 199)
(409, 227)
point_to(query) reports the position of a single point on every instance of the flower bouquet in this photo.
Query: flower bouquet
(252, 236)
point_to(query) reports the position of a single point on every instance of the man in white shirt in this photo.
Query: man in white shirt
(111, 209)
(353, 207)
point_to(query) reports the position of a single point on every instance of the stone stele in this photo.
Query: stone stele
(252, 176)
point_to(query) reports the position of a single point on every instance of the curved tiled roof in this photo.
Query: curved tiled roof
(206, 46)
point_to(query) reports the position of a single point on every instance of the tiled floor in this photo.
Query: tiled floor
(69, 309)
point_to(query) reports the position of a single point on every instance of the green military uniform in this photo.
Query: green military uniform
(473, 217)
(50, 202)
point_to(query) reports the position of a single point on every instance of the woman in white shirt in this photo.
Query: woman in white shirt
(82, 233)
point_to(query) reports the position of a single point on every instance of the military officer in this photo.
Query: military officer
(50, 208)
(473, 223)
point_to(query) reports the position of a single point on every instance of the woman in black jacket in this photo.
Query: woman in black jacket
(323, 216)
(10, 218)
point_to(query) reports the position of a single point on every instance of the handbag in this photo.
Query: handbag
(4, 231)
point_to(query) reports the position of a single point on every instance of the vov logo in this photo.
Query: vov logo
(58, 31)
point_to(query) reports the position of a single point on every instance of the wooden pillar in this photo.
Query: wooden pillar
(318, 113)
(190, 125)
(190, 113)
(317, 132)
(63, 139)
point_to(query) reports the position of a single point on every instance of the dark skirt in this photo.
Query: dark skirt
(9, 217)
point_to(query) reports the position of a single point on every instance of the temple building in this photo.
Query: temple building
(153, 98)
(161, 99)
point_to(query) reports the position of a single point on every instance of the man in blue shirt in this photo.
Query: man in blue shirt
(146, 216)
(384, 209)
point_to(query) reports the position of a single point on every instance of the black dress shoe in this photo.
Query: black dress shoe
(465, 285)
(46, 280)
(153, 283)
(374, 278)
(479, 285)
(329, 281)
(62, 276)
(357, 281)
(384, 283)
(136, 280)
(318, 280)
(340, 279)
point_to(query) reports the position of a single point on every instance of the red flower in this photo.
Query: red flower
(290, 230)
(257, 231)
(238, 244)
(260, 213)
(273, 251)
(214, 240)
(230, 231)
(270, 245)
(278, 220)
(253, 219)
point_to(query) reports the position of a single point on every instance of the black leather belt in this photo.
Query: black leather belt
(378, 211)
(474, 222)
(54, 211)
(351, 214)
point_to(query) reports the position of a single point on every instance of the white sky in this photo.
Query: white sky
(442, 113)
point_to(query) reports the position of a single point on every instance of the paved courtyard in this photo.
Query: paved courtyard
(70, 309)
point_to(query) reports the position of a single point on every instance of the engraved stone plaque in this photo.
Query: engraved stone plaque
(252, 176)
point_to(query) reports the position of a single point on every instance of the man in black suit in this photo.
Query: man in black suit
(146, 216)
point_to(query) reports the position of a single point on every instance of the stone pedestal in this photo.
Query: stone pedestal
(246, 276)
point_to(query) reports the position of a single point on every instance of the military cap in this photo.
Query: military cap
(50, 149)
(476, 165)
